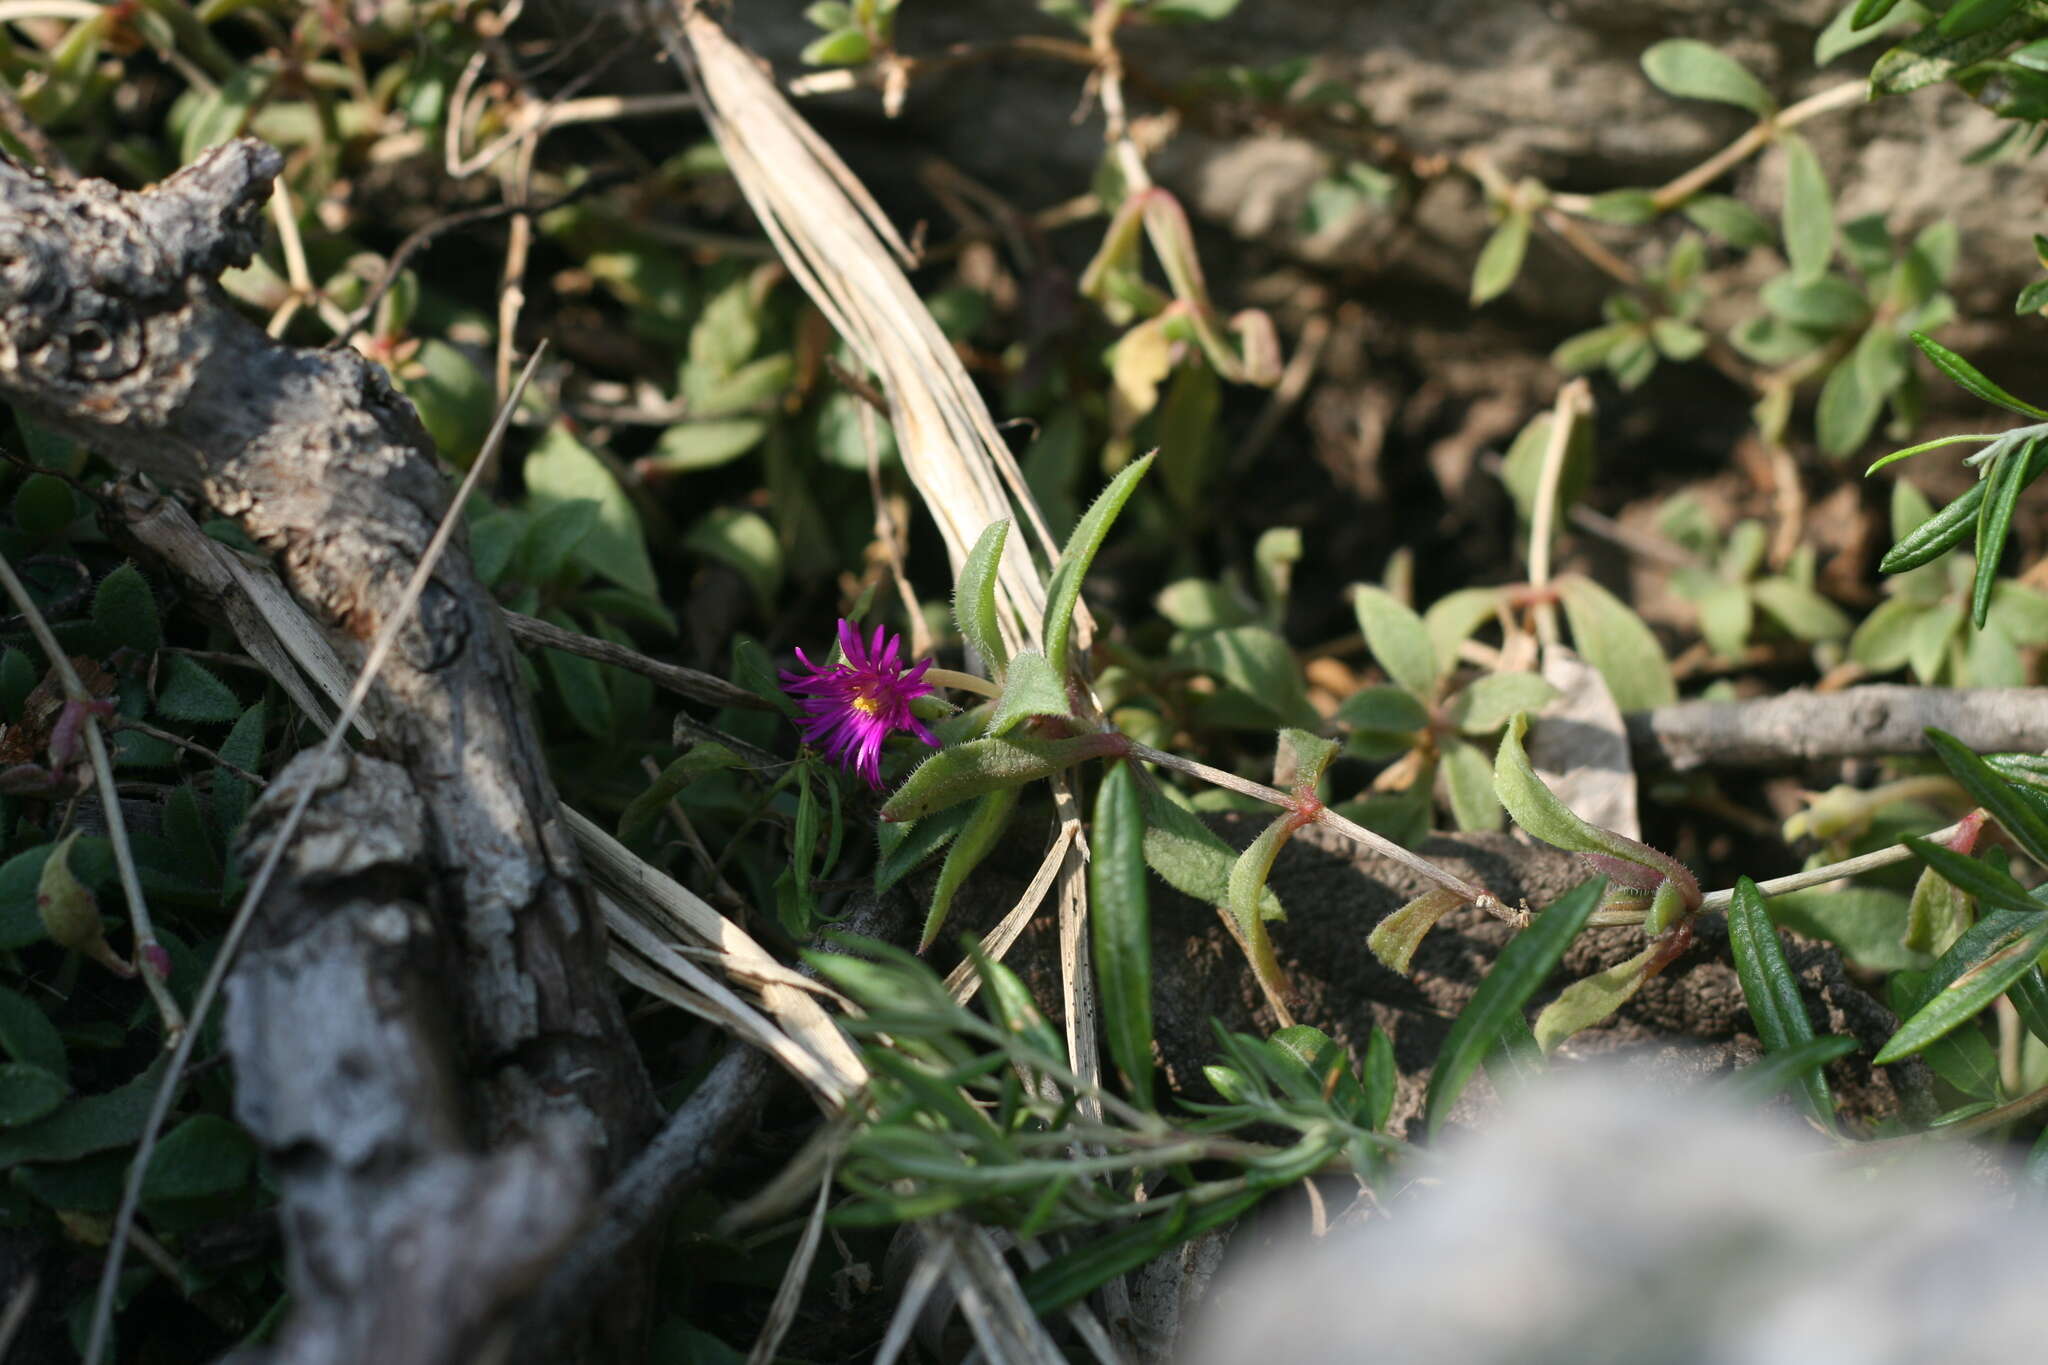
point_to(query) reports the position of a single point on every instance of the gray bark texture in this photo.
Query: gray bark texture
(1862, 722)
(113, 330)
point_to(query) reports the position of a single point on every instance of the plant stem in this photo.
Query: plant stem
(1350, 829)
(147, 951)
(961, 682)
(1820, 876)
(1574, 401)
(1684, 187)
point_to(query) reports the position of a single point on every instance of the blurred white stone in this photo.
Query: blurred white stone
(1600, 1221)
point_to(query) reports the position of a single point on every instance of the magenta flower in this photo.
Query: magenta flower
(851, 707)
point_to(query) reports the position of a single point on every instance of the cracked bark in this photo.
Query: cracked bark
(113, 330)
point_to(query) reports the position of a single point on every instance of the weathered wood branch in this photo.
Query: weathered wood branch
(113, 330)
(405, 1243)
(1862, 722)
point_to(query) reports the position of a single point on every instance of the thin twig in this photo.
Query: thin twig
(1683, 187)
(1350, 829)
(245, 913)
(1821, 876)
(688, 682)
(1574, 402)
(149, 954)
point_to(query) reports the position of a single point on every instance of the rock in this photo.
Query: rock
(1600, 1222)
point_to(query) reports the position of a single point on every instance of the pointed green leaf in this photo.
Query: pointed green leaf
(1482, 707)
(1119, 921)
(560, 469)
(1302, 759)
(1397, 638)
(905, 847)
(1522, 967)
(1616, 642)
(1192, 858)
(1394, 939)
(1966, 377)
(1937, 535)
(1733, 221)
(1468, 779)
(1992, 887)
(27, 1035)
(974, 600)
(1386, 709)
(1031, 689)
(1065, 589)
(976, 840)
(1247, 880)
(1992, 968)
(1500, 260)
(1693, 70)
(1537, 809)
(1771, 990)
(1809, 219)
(189, 691)
(2003, 486)
(980, 766)
(27, 1093)
(1988, 788)
(124, 611)
(1591, 999)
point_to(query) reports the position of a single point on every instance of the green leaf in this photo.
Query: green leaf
(905, 847)
(847, 47)
(1537, 809)
(1068, 1277)
(1931, 55)
(1989, 789)
(1623, 208)
(27, 1093)
(1591, 999)
(703, 443)
(1257, 662)
(1867, 923)
(1397, 638)
(1616, 642)
(1590, 350)
(1847, 411)
(2004, 484)
(980, 766)
(1394, 939)
(1868, 12)
(1967, 377)
(1809, 218)
(1726, 615)
(638, 820)
(27, 1035)
(1483, 706)
(1991, 886)
(1468, 778)
(93, 1123)
(1379, 1078)
(202, 1157)
(456, 401)
(1771, 990)
(1322, 1057)
(1453, 618)
(1733, 221)
(976, 840)
(1992, 969)
(560, 469)
(1192, 858)
(189, 691)
(1522, 967)
(1032, 689)
(1119, 921)
(974, 600)
(746, 541)
(552, 535)
(124, 611)
(1826, 305)
(1804, 613)
(1937, 535)
(1693, 70)
(1500, 260)
(1065, 588)
(1247, 883)
(1385, 710)
(579, 683)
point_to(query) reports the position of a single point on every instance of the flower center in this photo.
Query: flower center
(867, 703)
